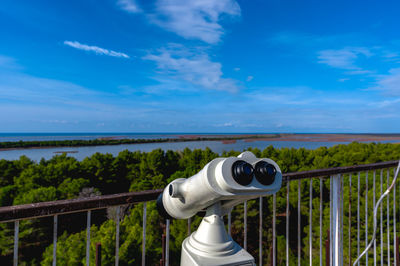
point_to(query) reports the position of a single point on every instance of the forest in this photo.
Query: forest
(62, 177)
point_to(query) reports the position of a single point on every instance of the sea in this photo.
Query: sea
(82, 152)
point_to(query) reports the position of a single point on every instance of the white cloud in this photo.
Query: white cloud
(236, 69)
(95, 49)
(283, 96)
(196, 69)
(389, 84)
(390, 55)
(38, 103)
(359, 72)
(301, 40)
(226, 124)
(194, 19)
(26, 88)
(385, 103)
(250, 78)
(7, 62)
(129, 5)
(343, 58)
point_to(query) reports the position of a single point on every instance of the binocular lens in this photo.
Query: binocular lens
(242, 172)
(265, 173)
(161, 209)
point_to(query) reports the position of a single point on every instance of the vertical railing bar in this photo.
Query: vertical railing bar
(287, 223)
(320, 220)
(381, 223)
(55, 225)
(337, 220)
(89, 214)
(358, 216)
(117, 236)
(366, 215)
(341, 193)
(245, 225)
(16, 238)
(342, 216)
(167, 243)
(274, 229)
(144, 234)
(298, 222)
(394, 222)
(330, 220)
(310, 221)
(388, 215)
(229, 222)
(260, 214)
(350, 190)
(189, 221)
(374, 197)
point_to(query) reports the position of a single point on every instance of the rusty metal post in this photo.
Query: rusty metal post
(350, 219)
(327, 248)
(16, 238)
(144, 234)
(397, 251)
(272, 256)
(163, 241)
(98, 254)
(298, 222)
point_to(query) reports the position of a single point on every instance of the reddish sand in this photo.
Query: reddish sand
(229, 141)
(331, 138)
(303, 137)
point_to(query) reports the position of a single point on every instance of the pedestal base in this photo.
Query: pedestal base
(239, 257)
(210, 245)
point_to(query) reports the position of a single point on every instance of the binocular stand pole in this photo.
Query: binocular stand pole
(210, 245)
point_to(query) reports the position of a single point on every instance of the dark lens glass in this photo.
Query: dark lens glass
(242, 172)
(160, 207)
(265, 173)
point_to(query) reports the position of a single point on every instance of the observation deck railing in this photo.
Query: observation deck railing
(385, 250)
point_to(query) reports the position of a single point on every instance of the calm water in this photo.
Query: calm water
(81, 152)
(216, 146)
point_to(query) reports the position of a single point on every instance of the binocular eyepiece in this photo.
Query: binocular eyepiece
(242, 172)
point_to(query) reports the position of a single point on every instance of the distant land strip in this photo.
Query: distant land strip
(9, 145)
(226, 139)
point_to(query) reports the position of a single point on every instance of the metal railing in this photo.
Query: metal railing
(330, 245)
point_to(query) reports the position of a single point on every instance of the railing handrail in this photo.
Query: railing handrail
(337, 170)
(50, 208)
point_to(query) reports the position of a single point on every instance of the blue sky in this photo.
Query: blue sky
(199, 66)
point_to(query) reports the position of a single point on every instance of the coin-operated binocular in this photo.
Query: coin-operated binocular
(218, 187)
